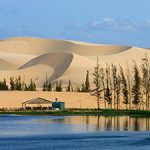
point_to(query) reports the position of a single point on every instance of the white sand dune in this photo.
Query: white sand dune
(37, 73)
(37, 46)
(12, 61)
(5, 65)
(59, 59)
(129, 56)
(64, 66)
(77, 70)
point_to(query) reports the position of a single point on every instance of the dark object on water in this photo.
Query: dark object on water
(58, 105)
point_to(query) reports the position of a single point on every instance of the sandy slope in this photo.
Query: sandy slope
(59, 59)
(60, 62)
(12, 61)
(53, 66)
(37, 46)
(77, 70)
(38, 73)
(66, 66)
(124, 57)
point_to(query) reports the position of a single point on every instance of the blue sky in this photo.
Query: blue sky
(123, 22)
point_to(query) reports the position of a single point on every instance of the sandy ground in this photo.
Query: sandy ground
(14, 99)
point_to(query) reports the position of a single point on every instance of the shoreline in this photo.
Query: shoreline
(82, 112)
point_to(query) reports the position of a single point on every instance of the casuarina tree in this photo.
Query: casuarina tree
(136, 89)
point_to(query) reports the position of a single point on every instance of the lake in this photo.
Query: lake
(74, 133)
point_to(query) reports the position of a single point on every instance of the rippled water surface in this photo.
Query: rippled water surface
(74, 132)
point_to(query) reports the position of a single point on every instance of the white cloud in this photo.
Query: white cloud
(109, 23)
(113, 31)
(108, 20)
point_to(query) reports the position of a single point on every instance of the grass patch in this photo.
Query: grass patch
(102, 112)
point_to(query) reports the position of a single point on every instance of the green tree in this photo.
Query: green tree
(3, 85)
(49, 87)
(108, 92)
(145, 80)
(69, 86)
(87, 82)
(18, 84)
(129, 83)
(32, 86)
(83, 88)
(124, 87)
(102, 83)
(114, 77)
(97, 80)
(118, 88)
(12, 84)
(59, 86)
(26, 88)
(44, 87)
(136, 89)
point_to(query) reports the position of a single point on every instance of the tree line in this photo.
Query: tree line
(58, 86)
(117, 87)
(16, 83)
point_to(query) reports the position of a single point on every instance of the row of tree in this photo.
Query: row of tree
(58, 87)
(116, 86)
(16, 83)
(47, 86)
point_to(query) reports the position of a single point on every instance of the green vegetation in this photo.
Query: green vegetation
(124, 87)
(3, 85)
(69, 88)
(116, 86)
(103, 112)
(97, 81)
(86, 85)
(136, 89)
(17, 84)
(58, 86)
(32, 86)
(108, 89)
(47, 86)
(12, 84)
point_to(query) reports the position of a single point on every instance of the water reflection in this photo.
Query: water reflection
(103, 123)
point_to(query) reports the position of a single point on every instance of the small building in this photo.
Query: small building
(58, 105)
(37, 103)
